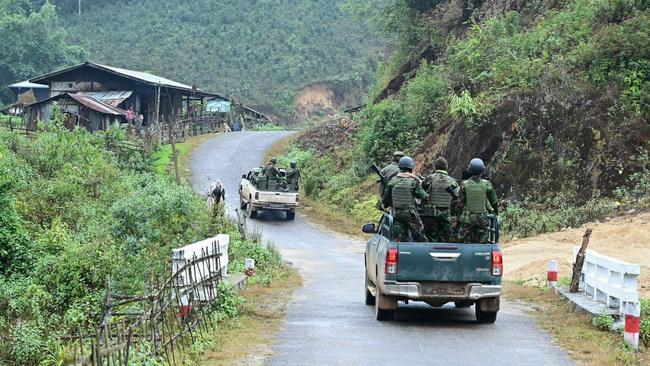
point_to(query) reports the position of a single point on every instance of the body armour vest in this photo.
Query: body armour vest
(438, 196)
(402, 193)
(476, 196)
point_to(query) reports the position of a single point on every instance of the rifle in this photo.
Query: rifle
(377, 171)
(454, 196)
(384, 183)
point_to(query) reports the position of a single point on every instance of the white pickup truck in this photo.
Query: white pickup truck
(257, 192)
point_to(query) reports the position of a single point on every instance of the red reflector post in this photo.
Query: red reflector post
(497, 263)
(391, 261)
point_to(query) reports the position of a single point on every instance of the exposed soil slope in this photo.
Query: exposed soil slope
(626, 238)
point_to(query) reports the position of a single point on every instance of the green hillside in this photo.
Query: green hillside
(554, 96)
(271, 48)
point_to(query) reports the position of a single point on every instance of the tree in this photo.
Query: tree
(33, 43)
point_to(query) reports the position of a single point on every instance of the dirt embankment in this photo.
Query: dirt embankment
(626, 238)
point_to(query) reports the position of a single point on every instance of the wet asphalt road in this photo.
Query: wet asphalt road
(328, 322)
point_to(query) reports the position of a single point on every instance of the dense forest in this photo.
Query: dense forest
(269, 48)
(553, 95)
(260, 51)
(32, 42)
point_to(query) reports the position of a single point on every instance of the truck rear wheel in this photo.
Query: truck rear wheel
(291, 215)
(383, 314)
(485, 317)
(370, 298)
(251, 213)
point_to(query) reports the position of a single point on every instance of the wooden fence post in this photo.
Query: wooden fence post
(580, 260)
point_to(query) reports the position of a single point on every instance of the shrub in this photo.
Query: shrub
(645, 322)
(603, 321)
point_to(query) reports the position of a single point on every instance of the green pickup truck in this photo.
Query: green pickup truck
(436, 273)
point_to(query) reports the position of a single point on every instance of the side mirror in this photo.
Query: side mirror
(243, 176)
(369, 229)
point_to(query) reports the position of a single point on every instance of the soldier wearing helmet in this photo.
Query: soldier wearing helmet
(389, 172)
(400, 194)
(270, 170)
(443, 192)
(293, 175)
(477, 199)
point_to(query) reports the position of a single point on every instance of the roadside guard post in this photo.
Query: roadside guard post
(552, 274)
(632, 324)
(249, 267)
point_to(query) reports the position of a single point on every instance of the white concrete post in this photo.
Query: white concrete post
(552, 274)
(632, 324)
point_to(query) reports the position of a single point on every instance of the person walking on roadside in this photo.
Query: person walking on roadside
(437, 213)
(477, 199)
(400, 195)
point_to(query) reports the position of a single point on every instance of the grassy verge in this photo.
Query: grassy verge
(247, 339)
(162, 158)
(575, 332)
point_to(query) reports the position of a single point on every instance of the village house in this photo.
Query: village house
(98, 95)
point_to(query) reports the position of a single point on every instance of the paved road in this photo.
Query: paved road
(328, 323)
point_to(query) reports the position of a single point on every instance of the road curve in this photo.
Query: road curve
(327, 321)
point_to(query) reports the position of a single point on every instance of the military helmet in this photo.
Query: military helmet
(293, 164)
(406, 163)
(274, 160)
(282, 172)
(398, 154)
(476, 166)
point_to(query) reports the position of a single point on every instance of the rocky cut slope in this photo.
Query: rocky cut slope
(553, 95)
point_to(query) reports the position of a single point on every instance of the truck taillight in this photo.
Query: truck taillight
(257, 195)
(497, 263)
(391, 261)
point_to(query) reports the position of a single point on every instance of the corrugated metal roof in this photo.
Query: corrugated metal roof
(113, 98)
(27, 85)
(144, 76)
(102, 95)
(96, 104)
(218, 106)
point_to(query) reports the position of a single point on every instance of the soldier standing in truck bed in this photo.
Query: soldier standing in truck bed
(437, 215)
(270, 170)
(391, 170)
(477, 199)
(293, 175)
(400, 194)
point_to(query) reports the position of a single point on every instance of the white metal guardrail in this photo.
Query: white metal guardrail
(217, 244)
(610, 280)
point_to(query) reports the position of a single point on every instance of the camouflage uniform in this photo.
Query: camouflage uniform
(477, 199)
(293, 177)
(400, 194)
(437, 213)
(271, 171)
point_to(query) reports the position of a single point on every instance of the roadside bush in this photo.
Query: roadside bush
(385, 128)
(530, 217)
(645, 322)
(603, 321)
(423, 96)
(71, 214)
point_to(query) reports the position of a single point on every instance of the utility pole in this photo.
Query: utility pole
(172, 141)
(237, 105)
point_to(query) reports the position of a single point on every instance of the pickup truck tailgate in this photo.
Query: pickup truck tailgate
(444, 262)
(277, 197)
